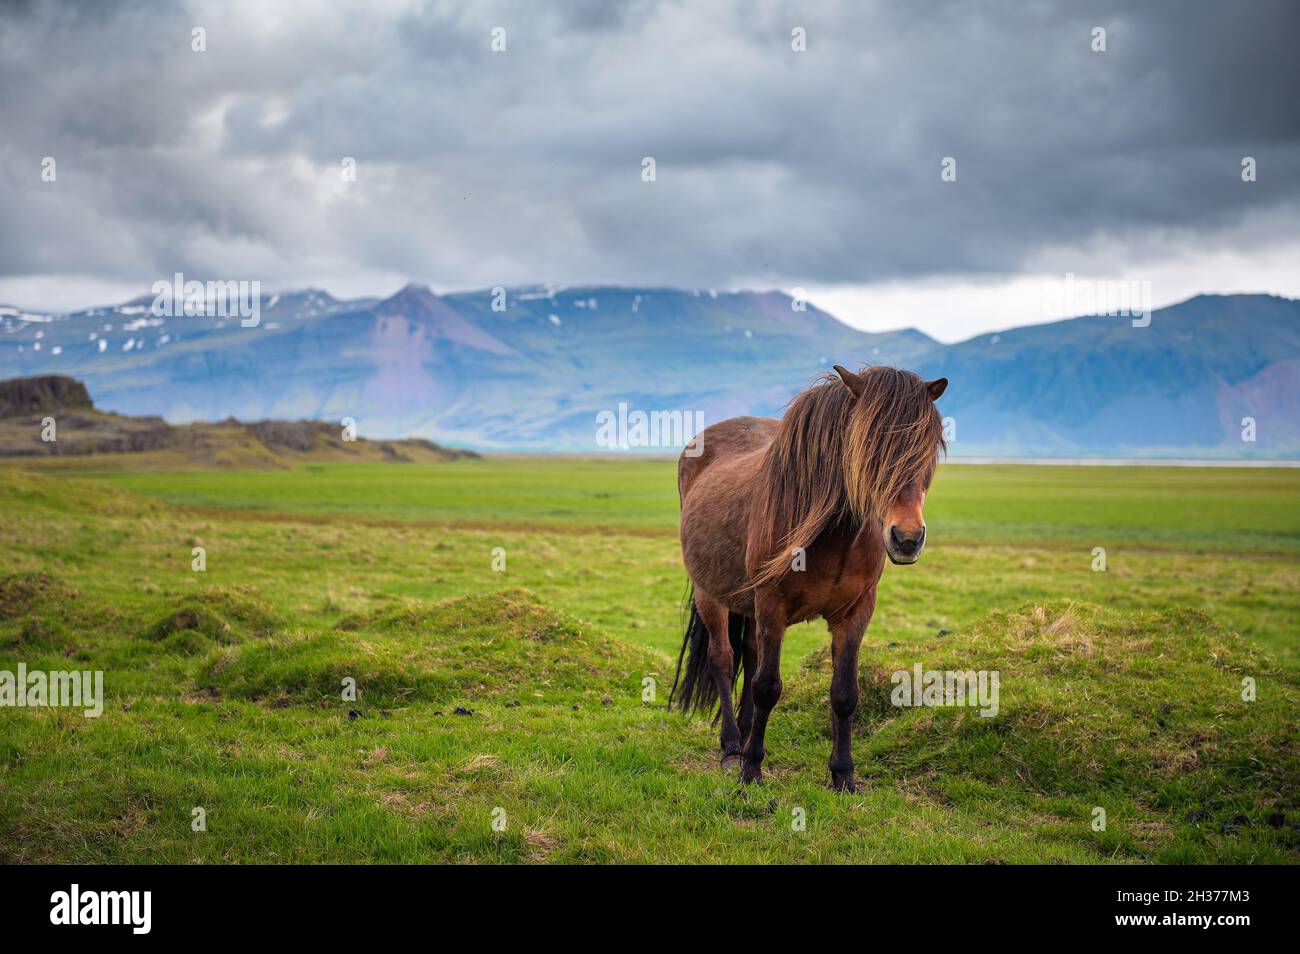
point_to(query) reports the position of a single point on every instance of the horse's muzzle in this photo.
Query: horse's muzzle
(904, 547)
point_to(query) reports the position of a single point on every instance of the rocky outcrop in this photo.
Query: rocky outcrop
(54, 417)
(21, 397)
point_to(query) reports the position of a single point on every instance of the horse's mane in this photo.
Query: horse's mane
(838, 458)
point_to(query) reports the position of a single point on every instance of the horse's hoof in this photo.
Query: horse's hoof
(750, 774)
(731, 761)
(843, 783)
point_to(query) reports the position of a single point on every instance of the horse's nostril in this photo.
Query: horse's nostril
(906, 543)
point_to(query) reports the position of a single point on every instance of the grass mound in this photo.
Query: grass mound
(490, 648)
(21, 593)
(38, 635)
(1141, 715)
(216, 614)
(33, 611)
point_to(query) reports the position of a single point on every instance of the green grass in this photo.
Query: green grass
(1222, 509)
(1120, 690)
(501, 491)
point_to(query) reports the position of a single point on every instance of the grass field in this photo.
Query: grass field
(1120, 689)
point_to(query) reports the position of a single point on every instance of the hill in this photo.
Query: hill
(53, 416)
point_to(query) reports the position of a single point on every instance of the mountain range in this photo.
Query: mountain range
(534, 373)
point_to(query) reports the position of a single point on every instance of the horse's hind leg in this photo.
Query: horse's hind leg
(722, 664)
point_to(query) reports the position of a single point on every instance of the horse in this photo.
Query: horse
(783, 521)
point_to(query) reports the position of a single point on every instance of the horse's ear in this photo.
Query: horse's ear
(936, 387)
(851, 380)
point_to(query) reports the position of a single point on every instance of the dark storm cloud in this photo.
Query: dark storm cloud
(775, 167)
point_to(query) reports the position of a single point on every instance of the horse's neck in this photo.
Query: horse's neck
(846, 532)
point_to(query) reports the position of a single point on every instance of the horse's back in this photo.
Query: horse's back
(725, 440)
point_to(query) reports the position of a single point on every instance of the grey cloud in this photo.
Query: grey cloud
(774, 167)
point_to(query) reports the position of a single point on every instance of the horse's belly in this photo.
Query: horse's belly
(714, 523)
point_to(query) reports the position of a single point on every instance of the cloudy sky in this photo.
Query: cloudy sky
(774, 168)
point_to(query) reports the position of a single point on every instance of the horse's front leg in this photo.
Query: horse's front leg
(745, 718)
(769, 618)
(846, 637)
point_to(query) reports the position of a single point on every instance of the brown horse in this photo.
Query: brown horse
(783, 521)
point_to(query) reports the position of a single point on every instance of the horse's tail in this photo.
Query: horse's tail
(693, 686)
